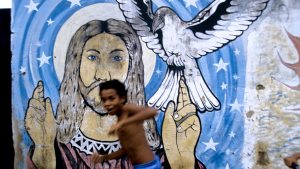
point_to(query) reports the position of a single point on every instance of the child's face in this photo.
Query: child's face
(111, 101)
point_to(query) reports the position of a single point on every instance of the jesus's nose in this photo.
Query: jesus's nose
(103, 75)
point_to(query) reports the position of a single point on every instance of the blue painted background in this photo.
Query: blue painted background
(32, 36)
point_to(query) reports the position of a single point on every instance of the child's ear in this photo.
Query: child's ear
(123, 100)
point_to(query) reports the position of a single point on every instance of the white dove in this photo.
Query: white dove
(179, 43)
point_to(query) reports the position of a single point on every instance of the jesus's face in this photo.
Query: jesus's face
(104, 57)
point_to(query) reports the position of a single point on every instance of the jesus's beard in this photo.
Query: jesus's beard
(91, 101)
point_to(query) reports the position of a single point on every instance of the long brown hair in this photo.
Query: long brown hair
(71, 106)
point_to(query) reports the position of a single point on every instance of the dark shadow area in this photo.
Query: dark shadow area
(7, 150)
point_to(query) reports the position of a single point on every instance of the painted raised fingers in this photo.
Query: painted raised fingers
(184, 98)
(49, 110)
(38, 92)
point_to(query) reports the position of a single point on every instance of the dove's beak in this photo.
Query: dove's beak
(158, 23)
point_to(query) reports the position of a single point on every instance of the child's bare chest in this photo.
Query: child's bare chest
(127, 130)
(131, 134)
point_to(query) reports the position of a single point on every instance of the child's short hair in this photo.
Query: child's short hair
(114, 84)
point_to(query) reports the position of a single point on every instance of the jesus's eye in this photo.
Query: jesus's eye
(92, 57)
(117, 58)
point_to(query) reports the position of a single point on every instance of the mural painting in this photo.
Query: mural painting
(223, 74)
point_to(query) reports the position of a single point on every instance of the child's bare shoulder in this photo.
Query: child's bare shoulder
(132, 108)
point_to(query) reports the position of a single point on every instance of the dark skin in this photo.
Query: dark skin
(291, 159)
(129, 128)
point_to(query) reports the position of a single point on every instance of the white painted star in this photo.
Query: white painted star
(235, 106)
(158, 72)
(74, 2)
(224, 86)
(235, 77)
(23, 70)
(50, 21)
(221, 65)
(232, 134)
(227, 166)
(190, 3)
(237, 52)
(32, 6)
(43, 59)
(210, 145)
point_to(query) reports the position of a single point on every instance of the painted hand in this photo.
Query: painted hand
(39, 119)
(181, 130)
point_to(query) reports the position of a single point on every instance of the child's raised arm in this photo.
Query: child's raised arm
(136, 114)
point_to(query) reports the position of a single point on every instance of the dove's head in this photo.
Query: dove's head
(160, 18)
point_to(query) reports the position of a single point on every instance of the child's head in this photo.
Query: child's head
(113, 96)
(116, 85)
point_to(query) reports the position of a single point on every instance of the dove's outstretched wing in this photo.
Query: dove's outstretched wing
(139, 15)
(215, 26)
(223, 21)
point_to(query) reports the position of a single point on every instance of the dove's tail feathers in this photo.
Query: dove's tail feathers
(168, 90)
(200, 94)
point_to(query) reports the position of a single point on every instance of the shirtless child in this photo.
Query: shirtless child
(129, 127)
